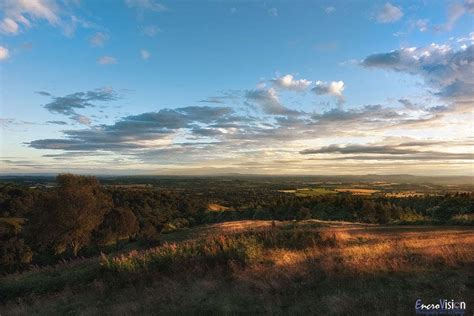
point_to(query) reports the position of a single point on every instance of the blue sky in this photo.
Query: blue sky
(187, 87)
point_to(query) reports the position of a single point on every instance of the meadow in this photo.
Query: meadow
(277, 267)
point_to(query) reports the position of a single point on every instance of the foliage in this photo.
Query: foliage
(68, 215)
(78, 216)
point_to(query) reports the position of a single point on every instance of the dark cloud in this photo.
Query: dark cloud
(43, 93)
(217, 100)
(223, 97)
(57, 122)
(402, 151)
(368, 113)
(67, 105)
(127, 132)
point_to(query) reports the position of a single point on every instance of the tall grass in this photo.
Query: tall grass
(236, 248)
(294, 268)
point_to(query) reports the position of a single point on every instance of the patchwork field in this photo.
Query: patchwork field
(357, 191)
(317, 267)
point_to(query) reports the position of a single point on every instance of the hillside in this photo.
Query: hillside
(260, 267)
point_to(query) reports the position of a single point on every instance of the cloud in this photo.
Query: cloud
(81, 119)
(213, 99)
(99, 39)
(43, 93)
(132, 132)
(389, 14)
(402, 151)
(57, 122)
(4, 53)
(9, 26)
(330, 10)
(68, 104)
(107, 60)
(333, 88)
(273, 12)
(445, 70)
(455, 12)
(422, 25)
(146, 5)
(288, 82)
(145, 54)
(18, 14)
(229, 95)
(267, 100)
(372, 114)
(151, 30)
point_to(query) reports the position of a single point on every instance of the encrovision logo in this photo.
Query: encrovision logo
(443, 307)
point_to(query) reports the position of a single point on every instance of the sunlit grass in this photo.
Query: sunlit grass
(257, 267)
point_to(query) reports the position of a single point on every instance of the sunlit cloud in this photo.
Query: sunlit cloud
(4, 53)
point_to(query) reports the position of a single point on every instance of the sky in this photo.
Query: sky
(251, 87)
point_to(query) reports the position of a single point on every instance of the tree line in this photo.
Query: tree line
(79, 216)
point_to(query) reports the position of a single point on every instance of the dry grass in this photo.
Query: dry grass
(213, 207)
(363, 270)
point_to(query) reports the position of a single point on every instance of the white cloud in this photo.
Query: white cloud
(422, 25)
(4, 53)
(98, 39)
(145, 54)
(18, 12)
(146, 5)
(469, 38)
(288, 82)
(107, 60)
(447, 72)
(273, 12)
(389, 13)
(151, 30)
(329, 10)
(333, 88)
(9, 26)
(455, 12)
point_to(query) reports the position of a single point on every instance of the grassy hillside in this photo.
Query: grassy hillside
(259, 267)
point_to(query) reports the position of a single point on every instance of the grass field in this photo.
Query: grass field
(357, 191)
(310, 267)
(305, 192)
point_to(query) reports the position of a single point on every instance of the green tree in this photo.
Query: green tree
(120, 223)
(68, 214)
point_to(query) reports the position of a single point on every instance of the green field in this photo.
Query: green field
(307, 192)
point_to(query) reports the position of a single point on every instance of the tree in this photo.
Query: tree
(120, 223)
(68, 214)
(303, 213)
